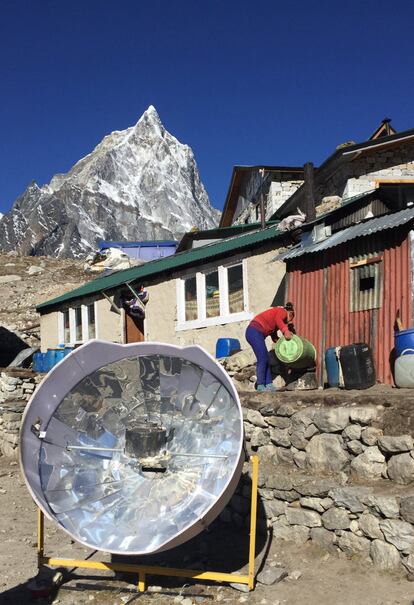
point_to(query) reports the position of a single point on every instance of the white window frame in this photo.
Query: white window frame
(72, 325)
(225, 316)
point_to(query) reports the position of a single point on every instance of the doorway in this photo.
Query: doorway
(134, 329)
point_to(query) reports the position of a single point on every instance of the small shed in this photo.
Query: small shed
(348, 286)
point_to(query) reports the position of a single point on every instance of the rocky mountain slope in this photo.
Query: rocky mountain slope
(26, 282)
(137, 184)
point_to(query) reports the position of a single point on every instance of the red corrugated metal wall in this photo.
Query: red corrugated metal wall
(305, 290)
(322, 313)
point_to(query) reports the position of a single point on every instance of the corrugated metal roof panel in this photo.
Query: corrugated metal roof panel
(168, 263)
(389, 221)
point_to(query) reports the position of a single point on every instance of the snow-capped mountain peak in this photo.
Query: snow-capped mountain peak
(137, 184)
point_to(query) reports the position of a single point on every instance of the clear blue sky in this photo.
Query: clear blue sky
(241, 82)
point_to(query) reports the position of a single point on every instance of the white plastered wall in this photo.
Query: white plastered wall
(264, 276)
(109, 324)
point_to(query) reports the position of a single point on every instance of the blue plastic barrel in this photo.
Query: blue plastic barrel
(68, 350)
(332, 367)
(49, 360)
(226, 346)
(404, 339)
(43, 363)
(38, 362)
(59, 355)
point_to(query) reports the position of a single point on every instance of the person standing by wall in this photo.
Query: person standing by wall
(263, 325)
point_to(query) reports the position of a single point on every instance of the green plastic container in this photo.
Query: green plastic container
(296, 352)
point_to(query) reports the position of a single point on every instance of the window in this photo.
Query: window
(77, 324)
(212, 294)
(235, 285)
(190, 289)
(365, 283)
(91, 320)
(213, 297)
(66, 326)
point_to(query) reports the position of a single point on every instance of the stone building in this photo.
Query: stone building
(252, 185)
(386, 159)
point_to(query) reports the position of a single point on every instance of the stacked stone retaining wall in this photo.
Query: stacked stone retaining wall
(327, 474)
(330, 475)
(16, 388)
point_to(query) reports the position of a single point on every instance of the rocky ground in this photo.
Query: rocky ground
(26, 281)
(306, 573)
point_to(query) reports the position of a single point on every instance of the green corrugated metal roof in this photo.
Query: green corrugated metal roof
(166, 264)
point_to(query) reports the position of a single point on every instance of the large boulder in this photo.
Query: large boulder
(387, 506)
(354, 545)
(352, 431)
(407, 508)
(370, 464)
(335, 518)
(331, 420)
(299, 516)
(351, 497)
(290, 533)
(325, 453)
(396, 445)
(326, 539)
(401, 469)
(363, 414)
(259, 437)
(240, 360)
(280, 437)
(370, 527)
(319, 486)
(318, 504)
(370, 435)
(255, 418)
(385, 556)
(356, 447)
(302, 419)
(399, 533)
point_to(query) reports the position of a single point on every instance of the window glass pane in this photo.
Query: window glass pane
(212, 295)
(365, 285)
(66, 327)
(190, 293)
(78, 324)
(91, 321)
(235, 285)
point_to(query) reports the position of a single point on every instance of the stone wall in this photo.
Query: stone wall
(279, 190)
(363, 173)
(16, 388)
(330, 475)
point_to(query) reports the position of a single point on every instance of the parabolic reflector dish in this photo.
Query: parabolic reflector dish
(133, 449)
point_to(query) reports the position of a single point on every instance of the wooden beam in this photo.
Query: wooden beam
(365, 261)
(114, 306)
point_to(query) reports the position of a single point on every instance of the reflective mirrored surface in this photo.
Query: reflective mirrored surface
(138, 451)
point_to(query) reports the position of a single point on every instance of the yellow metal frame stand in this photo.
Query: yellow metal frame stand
(144, 570)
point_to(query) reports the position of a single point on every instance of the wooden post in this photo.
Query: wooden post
(262, 202)
(309, 192)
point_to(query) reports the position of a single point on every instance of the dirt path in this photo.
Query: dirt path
(325, 579)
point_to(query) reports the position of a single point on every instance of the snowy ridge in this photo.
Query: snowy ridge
(138, 184)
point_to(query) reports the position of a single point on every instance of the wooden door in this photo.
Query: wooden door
(134, 329)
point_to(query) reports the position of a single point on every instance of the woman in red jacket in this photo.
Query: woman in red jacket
(266, 324)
